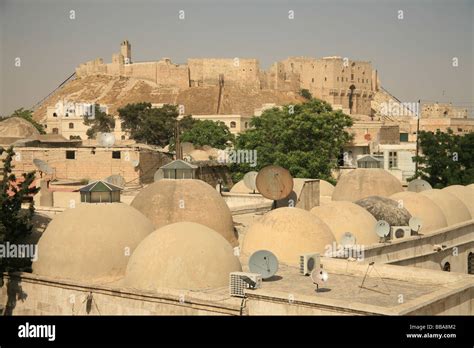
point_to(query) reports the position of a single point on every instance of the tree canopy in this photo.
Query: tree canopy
(100, 123)
(446, 159)
(149, 125)
(207, 132)
(305, 138)
(28, 116)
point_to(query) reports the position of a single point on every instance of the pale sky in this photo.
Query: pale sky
(414, 55)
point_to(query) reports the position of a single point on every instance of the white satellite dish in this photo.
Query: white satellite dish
(159, 174)
(43, 166)
(418, 185)
(250, 180)
(319, 276)
(415, 223)
(348, 239)
(135, 163)
(382, 228)
(263, 262)
(106, 139)
(116, 180)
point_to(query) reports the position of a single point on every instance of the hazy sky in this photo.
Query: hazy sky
(413, 55)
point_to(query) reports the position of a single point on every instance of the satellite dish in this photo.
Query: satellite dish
(348, 239)
(116, 180)
(159, 174)
(319, 276)
(418, 185)
(106, 139)
(382, 228)
(263, 262)
(135, 163)
(415, 223)
(43, 166)
(250, 180)
(274, 182)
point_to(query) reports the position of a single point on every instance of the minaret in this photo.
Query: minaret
(126, 51)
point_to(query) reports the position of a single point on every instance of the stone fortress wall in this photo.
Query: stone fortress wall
(346, 84)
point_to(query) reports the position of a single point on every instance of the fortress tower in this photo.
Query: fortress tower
(126, 51)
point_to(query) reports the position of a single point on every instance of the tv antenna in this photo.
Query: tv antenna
(418, 185)
(106, 139)
(319, 276)
(250, 180)
(382, 229)
(43, 167)
(116, 180)
(263, 262)
(274, 183)
(415, 224)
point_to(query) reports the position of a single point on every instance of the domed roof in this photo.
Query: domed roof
(241, 188)
(17, 127)
(465, 194)
(343, 217)
(183, 255)
(453, 208)
(323, 200)
(288, 233)
(424, 208)
(361, 183)
(471, 186)
(91, 242)
(167, 201)
(386, 209)
(325, 188)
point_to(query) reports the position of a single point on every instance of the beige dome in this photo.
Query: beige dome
(382, 208)
(471, 186)
(361, 183)
(323, 200)
(288, 233)
(183, 255)
(424, 208)
(465, 194)
(344, 217)
(17, 127)
(92, 242)
(453, 208)
(325, 188)
(167, 201)
(241, 188)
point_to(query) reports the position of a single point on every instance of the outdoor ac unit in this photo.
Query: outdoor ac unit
(400, 232)
(309, 262)
(239, 281)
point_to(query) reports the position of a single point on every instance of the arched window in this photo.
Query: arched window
(246, 124)
(123, 137)
(233, 124)
(55, 131)
(470, 263)
(55, 114)
(447, 267)
(71, 125)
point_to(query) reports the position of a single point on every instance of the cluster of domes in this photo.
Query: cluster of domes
(361, 183)
(452, 207)
(288, 233)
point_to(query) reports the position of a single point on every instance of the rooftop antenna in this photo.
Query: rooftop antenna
(43, 167)
(367, 273)
(263, 262)
(274, 182)
(415, 224)
(418, 185)
(319, 276)
(106, 139)
(382, 229)
(116, 180)
(179, 150)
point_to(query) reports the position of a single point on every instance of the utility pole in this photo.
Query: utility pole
(417, 136)
(179, 153)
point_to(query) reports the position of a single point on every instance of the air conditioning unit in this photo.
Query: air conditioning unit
(309, 262)
(400, 232)
(239, 281)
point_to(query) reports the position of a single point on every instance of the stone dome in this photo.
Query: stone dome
(386, 209)
(183, 255)
(453, 208)
(92, 242)
(424, 208)
(471, 186)
(167, 201)
(325, 188)
(361, 183)
(240, 187)
(465, 194)
(343, 217)
(17, 127)
(288, 233)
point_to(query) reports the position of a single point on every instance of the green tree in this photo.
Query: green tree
(28, 116)
(15, 222)
(207, 132)
(186, 123)
(305, 138)
(446, 159)
(100, 123)
(155, 126)
(305, 93)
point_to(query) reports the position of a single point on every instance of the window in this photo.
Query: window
(71, 125)
(55, 131)
(459, 129)
(447, 267)
(45, 126)
(116, 154)
(352, 77)
(404, 137)
(470, 263)
(233, 124)
(55, 114)
(246, 124)
(325, 79)
(70, 154)
(392, 159)
(122, 137)
(312, 80)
